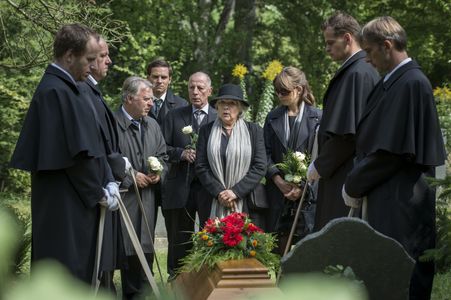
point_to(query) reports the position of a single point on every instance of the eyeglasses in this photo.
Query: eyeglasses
(283, 92)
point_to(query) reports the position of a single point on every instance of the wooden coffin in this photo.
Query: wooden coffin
(228, 280)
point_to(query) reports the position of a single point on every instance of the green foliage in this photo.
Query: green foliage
(441, 254)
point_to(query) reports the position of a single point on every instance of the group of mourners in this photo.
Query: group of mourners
(377, 138)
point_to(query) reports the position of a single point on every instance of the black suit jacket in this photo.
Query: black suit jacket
(175, 189)
(170, 102)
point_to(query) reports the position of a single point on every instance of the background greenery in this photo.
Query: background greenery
(213, 36)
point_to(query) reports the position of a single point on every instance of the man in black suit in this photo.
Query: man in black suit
(181, 189)
(159, 73)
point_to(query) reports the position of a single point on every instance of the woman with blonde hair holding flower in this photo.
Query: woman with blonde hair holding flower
(231, 157)
(289, 127)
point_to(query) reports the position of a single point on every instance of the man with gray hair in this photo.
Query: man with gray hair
(181, 188)
(398, 142)
(140, 137)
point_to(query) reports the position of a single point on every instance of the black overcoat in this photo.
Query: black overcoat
(112, 247)
(276, 147)
(60, 144)
(343, 106)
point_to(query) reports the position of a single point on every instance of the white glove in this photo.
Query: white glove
(128, 165)
(350, 201)
(113, 190)
(109, 201)
(312, 173)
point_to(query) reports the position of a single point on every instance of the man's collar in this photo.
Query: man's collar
(64, 71)
(408, 59)
(204, 109)
(162, 96)
(92, 79)
(350, 57)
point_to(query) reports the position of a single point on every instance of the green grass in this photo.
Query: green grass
(442, 287)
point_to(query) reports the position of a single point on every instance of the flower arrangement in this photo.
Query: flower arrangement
(267, 97)
(232, 237)
(188, 130)
(294, 166)
(155, 165)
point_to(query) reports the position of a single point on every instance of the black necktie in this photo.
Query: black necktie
(157, 105)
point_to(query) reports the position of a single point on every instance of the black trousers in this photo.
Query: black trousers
(180, 224)
(133, 278)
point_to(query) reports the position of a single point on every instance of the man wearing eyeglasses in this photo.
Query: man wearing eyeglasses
(343, 105)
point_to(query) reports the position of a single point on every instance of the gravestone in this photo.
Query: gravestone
(377, 260)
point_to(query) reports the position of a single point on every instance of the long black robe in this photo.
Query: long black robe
(61, 146)
(113, 252)
(398, 142)
(343, 106)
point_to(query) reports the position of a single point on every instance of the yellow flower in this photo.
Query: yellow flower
(444, 93)
(252, 253)
(254, 243)
(239, 71)
(205, 237)
(210, 243)
(274, 68)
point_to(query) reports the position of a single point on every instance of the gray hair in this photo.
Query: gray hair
(132, 86)
(204, 74)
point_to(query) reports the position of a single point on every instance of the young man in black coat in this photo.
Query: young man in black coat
(398, 143)
(343, 105)
(61, 146)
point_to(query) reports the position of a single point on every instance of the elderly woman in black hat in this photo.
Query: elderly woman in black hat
(231, 158)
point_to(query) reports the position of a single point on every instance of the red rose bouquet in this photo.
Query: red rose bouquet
(232, 237)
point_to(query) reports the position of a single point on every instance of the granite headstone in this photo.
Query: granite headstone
(379, 261)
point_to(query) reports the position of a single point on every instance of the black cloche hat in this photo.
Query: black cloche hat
(231, 92)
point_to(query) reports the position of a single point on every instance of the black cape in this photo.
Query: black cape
(398, 142)
(61, 146)
(344, 104)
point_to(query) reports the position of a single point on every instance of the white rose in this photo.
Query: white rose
(289, 178)
(155, 164)
(187, 129)
(299, 155)
(297, 179)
